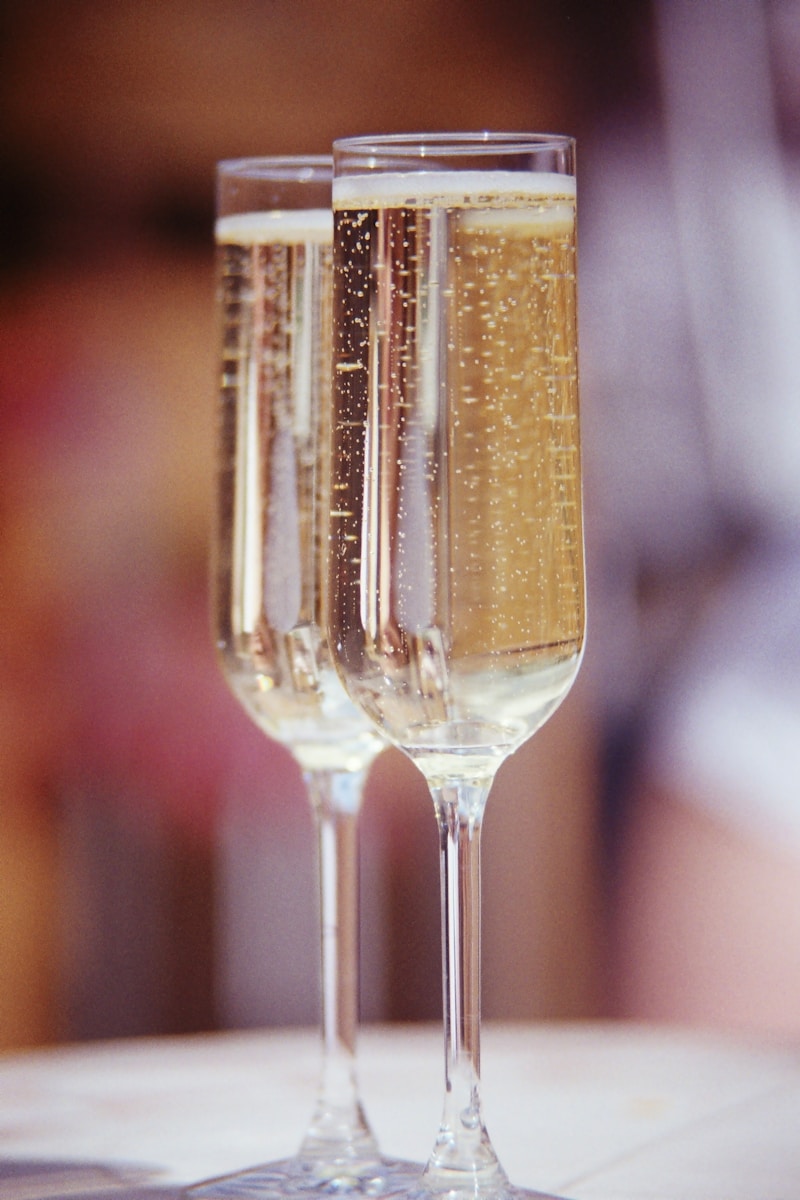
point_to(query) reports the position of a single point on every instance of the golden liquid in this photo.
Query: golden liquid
(457, 593)
(271, 539)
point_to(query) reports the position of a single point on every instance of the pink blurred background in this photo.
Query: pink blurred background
(156, 856)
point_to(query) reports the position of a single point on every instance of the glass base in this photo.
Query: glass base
(527, 1194)
(508, 1193)
(471, 1191)
(294, 1177)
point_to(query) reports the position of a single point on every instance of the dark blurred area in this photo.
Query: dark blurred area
(155, 850)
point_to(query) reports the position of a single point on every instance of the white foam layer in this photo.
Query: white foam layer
(448, 187)
(553, 219)
(288, 226)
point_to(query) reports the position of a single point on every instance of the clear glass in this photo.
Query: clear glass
(273, 232)
(456, 584)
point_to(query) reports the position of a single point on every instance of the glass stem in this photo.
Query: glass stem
(463, 1157)
(339, 1134)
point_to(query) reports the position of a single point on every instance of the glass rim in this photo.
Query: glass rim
(488, 142)
(299, 167)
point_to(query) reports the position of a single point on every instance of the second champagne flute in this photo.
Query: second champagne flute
(456, 574)
(273, 232)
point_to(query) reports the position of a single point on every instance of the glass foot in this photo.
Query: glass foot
(527, 1194)
(464, 1185)
(292, 1177)
(467, 1193)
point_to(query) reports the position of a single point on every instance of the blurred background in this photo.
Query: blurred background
(156, 851)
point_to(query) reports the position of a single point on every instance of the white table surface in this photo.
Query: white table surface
(590, 1112)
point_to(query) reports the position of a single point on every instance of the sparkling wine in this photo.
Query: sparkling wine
(274, 280)
(457, 593)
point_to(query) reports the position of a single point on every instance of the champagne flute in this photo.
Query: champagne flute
(273, 232)
(456, 584)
